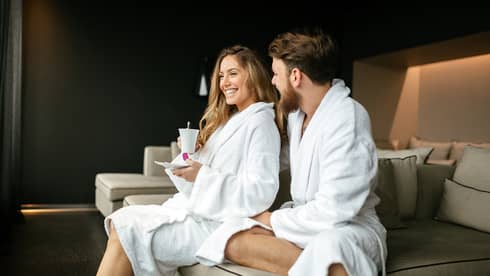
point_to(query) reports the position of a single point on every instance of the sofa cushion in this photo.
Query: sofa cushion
(115, 186)
(387, 209)
(473, 170)
(405, 175)
(441, 149)
(429, 246)
(430, 182)
(143, 199)
(221, 270)
(466, 206)
(421, 153)
(104, 205)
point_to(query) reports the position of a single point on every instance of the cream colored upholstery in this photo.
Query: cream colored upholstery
(111, 188)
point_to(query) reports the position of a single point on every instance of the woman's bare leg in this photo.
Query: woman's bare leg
(259, 248)
(114, 261)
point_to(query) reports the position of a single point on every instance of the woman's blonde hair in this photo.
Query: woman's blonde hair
(258, 81)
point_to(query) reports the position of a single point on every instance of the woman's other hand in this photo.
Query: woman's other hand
(188, 173)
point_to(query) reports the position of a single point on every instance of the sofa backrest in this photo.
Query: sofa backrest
(155, 153)
(430, 181)
(284, 193)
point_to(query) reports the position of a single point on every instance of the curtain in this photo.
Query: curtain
(10, 106)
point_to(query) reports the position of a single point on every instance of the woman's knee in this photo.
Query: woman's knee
(113, 236)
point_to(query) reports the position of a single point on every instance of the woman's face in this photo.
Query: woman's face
(232, 82)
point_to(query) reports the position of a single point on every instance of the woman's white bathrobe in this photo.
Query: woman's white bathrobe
(238, 179)
(333, 177)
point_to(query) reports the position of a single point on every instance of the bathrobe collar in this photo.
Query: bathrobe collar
(223, 134)
(303, 148)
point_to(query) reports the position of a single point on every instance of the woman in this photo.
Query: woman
(233, 175)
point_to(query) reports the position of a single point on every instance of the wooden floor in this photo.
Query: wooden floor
(54, 243)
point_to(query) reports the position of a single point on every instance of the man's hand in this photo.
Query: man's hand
(188, 173)
(264, 218)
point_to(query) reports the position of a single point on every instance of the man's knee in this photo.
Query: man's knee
(235, 246)
(337, 269)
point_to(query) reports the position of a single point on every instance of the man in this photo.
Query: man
(333, 166)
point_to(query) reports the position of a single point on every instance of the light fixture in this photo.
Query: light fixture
(202, 89)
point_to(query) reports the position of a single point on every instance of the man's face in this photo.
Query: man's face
(289, 97)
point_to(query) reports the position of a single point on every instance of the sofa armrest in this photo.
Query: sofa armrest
(155, 153)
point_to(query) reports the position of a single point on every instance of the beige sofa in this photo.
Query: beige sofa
(425, 246)
(111, 188)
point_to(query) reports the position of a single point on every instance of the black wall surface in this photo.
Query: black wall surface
(102, 81)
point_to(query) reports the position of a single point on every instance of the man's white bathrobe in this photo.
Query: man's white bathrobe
(333, 177)
(238, 179)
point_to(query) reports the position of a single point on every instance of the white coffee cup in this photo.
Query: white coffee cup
(188, 139)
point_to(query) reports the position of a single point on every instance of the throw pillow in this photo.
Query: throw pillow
(465, 205)
(387, 209)
(405, 175)
(441, 149)
(421, 153)
(457, 149)
(474, 168)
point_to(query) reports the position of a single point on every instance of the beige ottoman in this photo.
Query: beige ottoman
(111, 188)
(157, 199)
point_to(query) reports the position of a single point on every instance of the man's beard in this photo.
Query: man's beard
(289, 99)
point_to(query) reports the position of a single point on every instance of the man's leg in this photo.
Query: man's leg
(337, 270)
(114, 261)
(259, 248)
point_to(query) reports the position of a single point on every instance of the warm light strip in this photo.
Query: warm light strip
(56, 210)
(55, 206)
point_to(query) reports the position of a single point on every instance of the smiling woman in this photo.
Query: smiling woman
(238, 164)
(232, 81)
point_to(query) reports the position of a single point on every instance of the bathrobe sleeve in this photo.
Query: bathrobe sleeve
(346, 172)
(219, 195)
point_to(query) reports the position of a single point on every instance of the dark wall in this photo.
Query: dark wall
(102, 81)
(374, 30)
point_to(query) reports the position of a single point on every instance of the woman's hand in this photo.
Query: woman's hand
(188, 173)
(179, 144)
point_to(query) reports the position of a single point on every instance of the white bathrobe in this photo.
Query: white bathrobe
(333, 177)
(238, 179)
